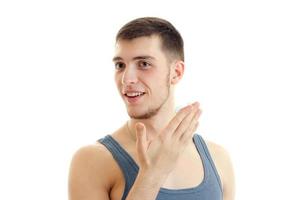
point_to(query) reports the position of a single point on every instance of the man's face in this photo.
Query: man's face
(142, 76)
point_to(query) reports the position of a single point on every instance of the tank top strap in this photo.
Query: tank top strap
(202, 147)
(126, 163)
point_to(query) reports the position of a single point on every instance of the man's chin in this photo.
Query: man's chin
(138, 115)
(144, 115)
(135, 113)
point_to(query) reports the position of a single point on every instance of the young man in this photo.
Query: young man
(156, 154)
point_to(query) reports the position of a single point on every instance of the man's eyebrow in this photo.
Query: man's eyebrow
(117, 58)
(143, 58)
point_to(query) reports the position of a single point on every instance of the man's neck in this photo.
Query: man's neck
(154, 125)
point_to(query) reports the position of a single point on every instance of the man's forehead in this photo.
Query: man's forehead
(143, 47)
(150, 41)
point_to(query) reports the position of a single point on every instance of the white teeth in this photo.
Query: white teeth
(133, 94)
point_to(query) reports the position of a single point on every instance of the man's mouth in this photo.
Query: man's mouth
(133, 97)
(134, 94)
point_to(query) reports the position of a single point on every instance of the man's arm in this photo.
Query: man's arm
(88, 175)
(224, 167)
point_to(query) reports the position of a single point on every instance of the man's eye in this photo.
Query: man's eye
(119, 66)
(144, 64)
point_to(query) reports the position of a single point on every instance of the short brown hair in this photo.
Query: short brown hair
(171, 39)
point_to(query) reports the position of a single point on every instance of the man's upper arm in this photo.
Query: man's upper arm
(88, 175)
(224, 167)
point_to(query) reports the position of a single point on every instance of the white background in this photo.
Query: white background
(57, 91)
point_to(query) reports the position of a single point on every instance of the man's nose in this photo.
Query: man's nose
(129, 76)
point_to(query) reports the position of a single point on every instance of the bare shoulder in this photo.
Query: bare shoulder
(218, 152)
(90, 174)
(223, 163)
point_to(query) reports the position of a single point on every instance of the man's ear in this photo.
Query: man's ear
(177, 71)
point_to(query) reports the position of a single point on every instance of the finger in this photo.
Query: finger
(192, 131)
(188, 134)
(190, 139)
(180, 115)
(185, 124)
(141, 142)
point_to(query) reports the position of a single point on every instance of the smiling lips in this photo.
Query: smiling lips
(133, 96)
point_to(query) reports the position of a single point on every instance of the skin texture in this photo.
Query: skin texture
(156, 137)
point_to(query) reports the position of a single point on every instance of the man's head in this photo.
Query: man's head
(149, 62)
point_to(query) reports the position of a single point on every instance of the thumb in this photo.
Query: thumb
(141, 142)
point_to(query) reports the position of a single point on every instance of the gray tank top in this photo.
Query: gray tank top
(208, 189)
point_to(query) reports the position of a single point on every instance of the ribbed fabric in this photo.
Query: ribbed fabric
(209, 189)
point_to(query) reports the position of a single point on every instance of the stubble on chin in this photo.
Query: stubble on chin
(146, 115)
